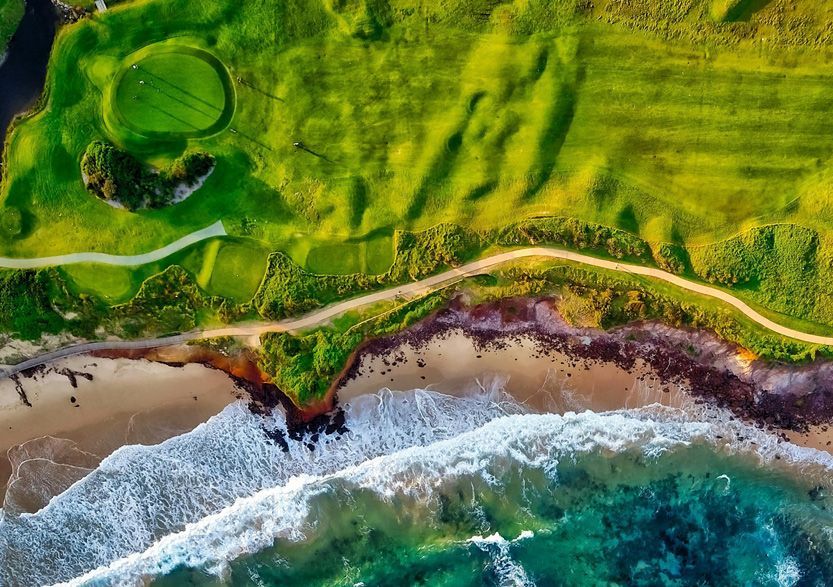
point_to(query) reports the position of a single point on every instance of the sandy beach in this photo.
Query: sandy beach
(84, 408)
(97, 405)
(550, 381)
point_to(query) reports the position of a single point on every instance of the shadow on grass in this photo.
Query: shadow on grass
(555, 134)
(248, 137)
(443, 163)
(303, 147)
(251, 86)
(176, 87)
(169, 114)
(211, 116)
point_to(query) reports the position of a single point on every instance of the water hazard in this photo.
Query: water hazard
(23, 73)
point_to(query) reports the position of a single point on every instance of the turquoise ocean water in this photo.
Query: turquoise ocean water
(426, 489)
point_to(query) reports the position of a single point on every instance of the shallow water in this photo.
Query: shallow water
(426, 488)
(600, 519)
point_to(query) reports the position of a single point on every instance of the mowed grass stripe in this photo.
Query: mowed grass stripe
(169, 90)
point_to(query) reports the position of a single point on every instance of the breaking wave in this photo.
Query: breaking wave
(444, 477)
(488, 457)
(139, 494)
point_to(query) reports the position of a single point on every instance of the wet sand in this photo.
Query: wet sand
(820, 437)
(545, 381)
(125, 402)
(550, 381)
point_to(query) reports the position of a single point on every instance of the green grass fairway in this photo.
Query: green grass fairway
(172, 91)
(688, 122)
(372, 255)
(115, 284)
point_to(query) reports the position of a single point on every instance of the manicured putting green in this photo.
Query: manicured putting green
(174, 91)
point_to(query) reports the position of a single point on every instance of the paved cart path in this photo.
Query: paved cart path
(216, 229)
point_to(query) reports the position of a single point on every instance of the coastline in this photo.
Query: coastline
(99, 404)
(541, 379)
(632, 365)
(92, 405)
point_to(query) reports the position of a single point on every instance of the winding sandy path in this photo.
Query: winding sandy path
(216, 229)
(423, 286)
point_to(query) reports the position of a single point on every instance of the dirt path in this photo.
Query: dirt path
(419, 288)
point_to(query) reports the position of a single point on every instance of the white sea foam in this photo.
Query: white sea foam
(141, 493)
(530, 441)
(788, 573)
(224, 490)
(507, 571)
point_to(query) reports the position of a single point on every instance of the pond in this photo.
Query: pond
(23, 73)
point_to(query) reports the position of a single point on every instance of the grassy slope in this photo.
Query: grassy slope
(651, 117)
(11, 11)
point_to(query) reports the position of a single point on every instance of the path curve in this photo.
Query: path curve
(215, 230)
(439, 281)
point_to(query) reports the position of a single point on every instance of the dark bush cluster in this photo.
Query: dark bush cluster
(574, 233)
(287, 289)
(188, 168)
(670, 257)
(115, 175)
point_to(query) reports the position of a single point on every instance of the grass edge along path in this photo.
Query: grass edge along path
(417, 288)
(215, 230)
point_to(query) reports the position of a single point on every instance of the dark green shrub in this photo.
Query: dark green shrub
(670, 257)
(114, 175)
(117, 176)
(189, 167)
(25, 307)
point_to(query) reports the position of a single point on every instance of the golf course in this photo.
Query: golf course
(690, 131)
(416, 292)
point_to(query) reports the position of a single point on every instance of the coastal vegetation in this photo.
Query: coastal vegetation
(303, 364)
(119, 178)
